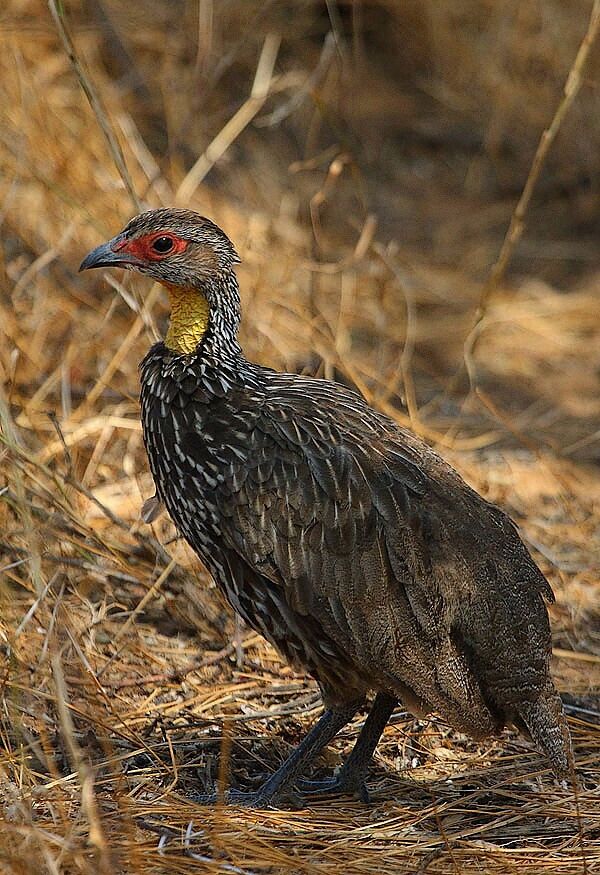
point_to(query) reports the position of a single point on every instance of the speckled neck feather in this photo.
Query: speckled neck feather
(189, 319)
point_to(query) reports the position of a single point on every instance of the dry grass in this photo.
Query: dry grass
(123, 677)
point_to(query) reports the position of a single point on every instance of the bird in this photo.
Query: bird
(341, 537)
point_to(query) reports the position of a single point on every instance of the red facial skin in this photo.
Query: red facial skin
(141, 247)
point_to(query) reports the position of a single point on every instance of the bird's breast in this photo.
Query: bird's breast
(196, 437)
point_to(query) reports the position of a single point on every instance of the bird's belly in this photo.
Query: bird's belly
(299, 638)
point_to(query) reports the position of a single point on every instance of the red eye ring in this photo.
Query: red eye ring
(145, 249)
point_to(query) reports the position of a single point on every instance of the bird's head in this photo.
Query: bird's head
(191, 257)
(175, 247)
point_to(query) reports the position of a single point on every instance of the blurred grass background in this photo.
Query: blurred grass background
(366, 159)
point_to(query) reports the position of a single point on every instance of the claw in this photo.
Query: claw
(333, 787)
(251, 799)
(304, 791)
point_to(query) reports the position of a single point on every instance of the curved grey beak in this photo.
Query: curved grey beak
(108, 255)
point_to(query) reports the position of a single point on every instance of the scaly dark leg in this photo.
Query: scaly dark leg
(279, 788)
(351, 777)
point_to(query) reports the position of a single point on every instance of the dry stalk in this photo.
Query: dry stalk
(88, 798)
(236, 124)
(94, 100)
(516, 227)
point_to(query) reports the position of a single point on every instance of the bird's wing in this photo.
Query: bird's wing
(318, 486)
(368, 531)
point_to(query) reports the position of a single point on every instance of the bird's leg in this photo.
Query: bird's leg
(279, 788)
(351, 777)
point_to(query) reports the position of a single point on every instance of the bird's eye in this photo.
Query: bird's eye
(163, 245)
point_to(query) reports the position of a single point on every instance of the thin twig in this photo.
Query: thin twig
(95, 102)
(152, 592)
(236, 124)
(88, 797)
(176, 674)
(517, 223)
(311, 84)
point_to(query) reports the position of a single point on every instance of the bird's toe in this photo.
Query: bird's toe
(338, 785)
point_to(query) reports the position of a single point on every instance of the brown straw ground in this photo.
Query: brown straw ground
(369, 203)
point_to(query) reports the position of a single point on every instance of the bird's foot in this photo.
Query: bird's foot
(260, 798)
(338, 785)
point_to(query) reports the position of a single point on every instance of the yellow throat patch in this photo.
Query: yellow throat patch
(189, 319)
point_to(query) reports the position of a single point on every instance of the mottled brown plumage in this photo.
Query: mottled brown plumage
(341, 537)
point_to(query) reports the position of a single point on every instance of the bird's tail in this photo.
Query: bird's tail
(547, 725)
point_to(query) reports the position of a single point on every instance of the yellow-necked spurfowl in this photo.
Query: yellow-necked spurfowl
(342, 538)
